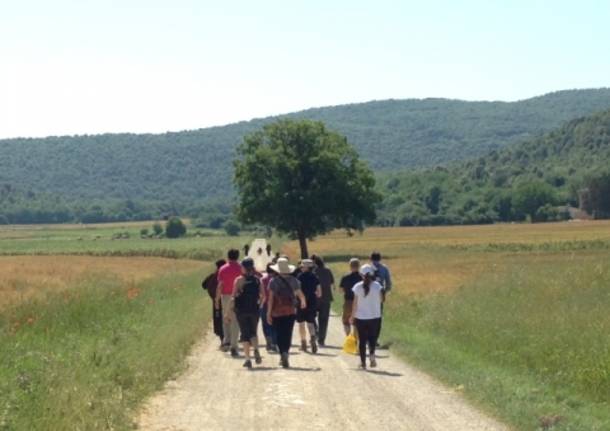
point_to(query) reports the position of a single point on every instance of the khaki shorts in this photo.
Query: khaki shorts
(347, 311)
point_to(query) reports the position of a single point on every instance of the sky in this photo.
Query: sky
(83, 67)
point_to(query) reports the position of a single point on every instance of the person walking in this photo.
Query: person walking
(247, 299)
(327, 282)
(268, 330)
(306, 316)
(227, 275)
(382, 273)
(210, 284)
(366, 313)
(284, 289)
(347, 283)
(383, 277)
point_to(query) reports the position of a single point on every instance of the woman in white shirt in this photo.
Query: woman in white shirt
(366, 313)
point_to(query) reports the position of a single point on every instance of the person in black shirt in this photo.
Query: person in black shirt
(210, 283)
(247, 297)
(347, 283)
(310, 286)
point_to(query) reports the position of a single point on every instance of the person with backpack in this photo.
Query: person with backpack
(327, 281)
(247, 298)
(227, 275)
(306, 316)
(347, 283)
(284, 290)
(366, 313)
(210, 283)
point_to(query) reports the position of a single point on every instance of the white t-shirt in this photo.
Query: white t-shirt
(369, 306)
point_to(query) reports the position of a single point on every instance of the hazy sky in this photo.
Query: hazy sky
(79, 66)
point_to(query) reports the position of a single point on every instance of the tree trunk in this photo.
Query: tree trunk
(303, 245)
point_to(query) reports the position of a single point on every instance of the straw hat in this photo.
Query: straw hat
(283, 267)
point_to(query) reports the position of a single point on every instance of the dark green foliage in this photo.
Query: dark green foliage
(157, 229)
(118, 177)
(527, 180)
(303, 180)
(529, 198)
(598, 188)
(232, 228)
(175, 228)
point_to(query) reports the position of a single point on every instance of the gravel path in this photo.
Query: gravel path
(324, 391)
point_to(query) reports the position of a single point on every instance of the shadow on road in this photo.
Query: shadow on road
(316, 369)
(383, 373)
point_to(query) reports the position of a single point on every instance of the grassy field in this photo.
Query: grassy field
(514, 316)
(86, 336)
(103, 240)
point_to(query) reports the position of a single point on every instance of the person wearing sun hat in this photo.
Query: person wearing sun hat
(284, 289)
(366, 313)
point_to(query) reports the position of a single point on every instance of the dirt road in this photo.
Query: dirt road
(324, 391)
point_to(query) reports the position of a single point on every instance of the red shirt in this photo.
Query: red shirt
(227, 275)
(265, 282)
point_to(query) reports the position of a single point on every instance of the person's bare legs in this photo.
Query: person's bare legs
(312, 336)
(303, 334)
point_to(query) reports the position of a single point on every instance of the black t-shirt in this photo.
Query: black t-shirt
(309, 283)
(347, 282)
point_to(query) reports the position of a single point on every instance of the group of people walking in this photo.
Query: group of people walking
(284, 295)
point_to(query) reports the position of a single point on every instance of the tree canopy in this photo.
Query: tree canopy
(303, 180)
(509, 184)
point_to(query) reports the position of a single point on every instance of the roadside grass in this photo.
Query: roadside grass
(85, 358)
(531, 343)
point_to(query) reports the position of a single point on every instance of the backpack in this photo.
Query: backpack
(247, 300)
(284, 301)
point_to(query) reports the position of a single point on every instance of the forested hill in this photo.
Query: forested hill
(138, 175)
(529, 179)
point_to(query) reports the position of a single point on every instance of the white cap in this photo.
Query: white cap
(367, 269)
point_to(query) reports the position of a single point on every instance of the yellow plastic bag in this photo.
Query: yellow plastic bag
(350, 345)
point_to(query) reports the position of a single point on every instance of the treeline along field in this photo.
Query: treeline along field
(514, 316)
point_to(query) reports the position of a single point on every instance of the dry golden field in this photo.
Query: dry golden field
(23, 277)
(434, 259)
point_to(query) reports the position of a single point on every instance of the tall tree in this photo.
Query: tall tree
(303, 180)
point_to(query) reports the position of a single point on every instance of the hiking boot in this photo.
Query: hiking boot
(234, 353)
(362, 366)
(373, 362)
(257, 357)
(284, 361)
(314, 346)
(303, 346)
(225, 347)
(248, 364)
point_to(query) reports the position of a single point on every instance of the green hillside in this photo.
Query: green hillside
(126, 176)
(505, 185)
